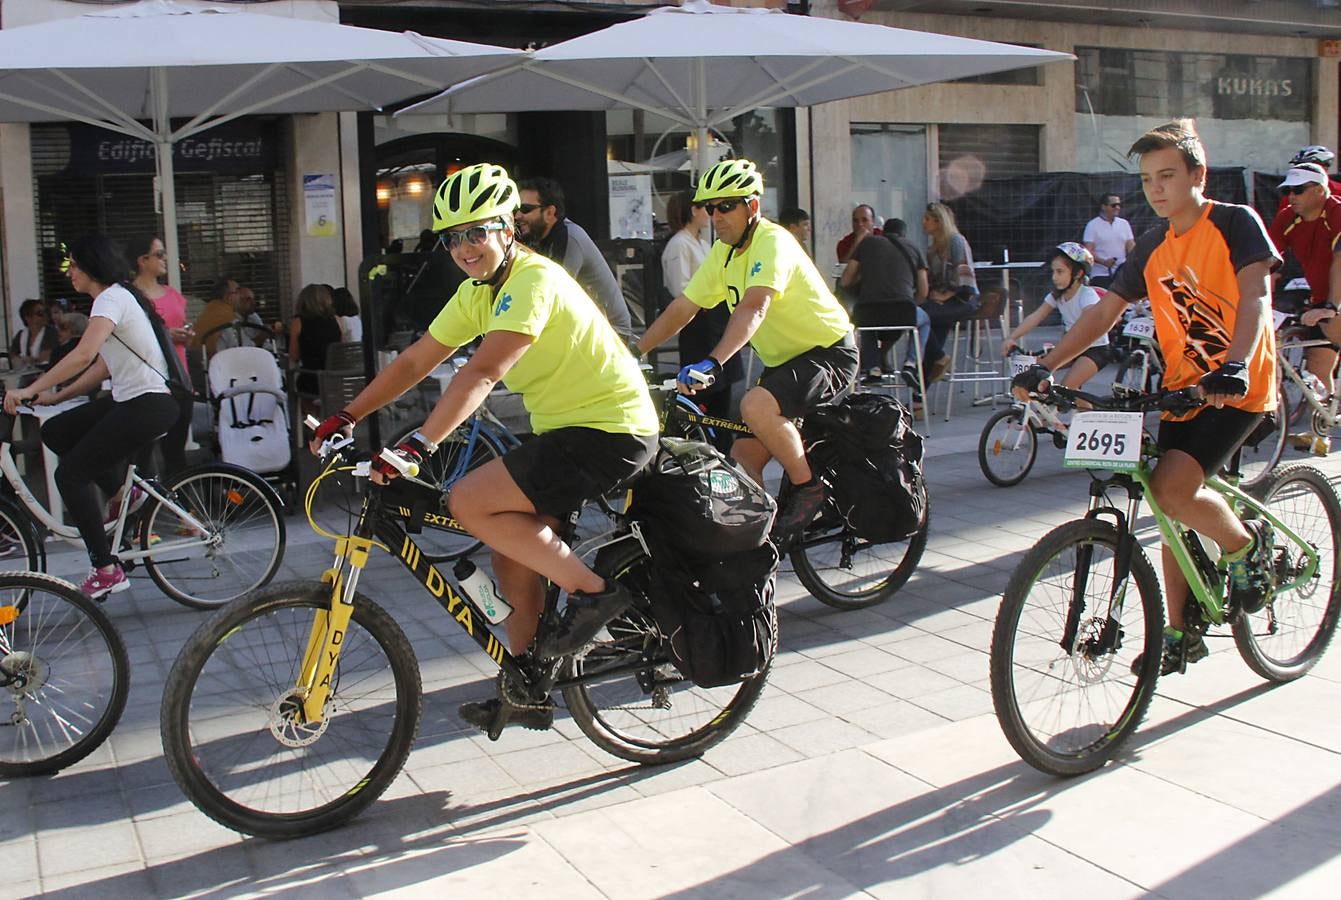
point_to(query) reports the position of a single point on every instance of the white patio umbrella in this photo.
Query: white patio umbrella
(157, 60)
(701, 65)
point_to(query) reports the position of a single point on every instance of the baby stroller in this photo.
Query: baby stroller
(251, 414)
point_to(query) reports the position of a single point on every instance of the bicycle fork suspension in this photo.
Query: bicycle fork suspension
(1109, 636)
(329, 627)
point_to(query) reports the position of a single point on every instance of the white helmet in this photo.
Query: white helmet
(1314, 153)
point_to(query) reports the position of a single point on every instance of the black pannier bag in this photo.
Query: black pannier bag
(868, 443)
(713, 569)
(704, 503)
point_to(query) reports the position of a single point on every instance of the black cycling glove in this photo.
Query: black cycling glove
(1231, 379)
(1032, 378)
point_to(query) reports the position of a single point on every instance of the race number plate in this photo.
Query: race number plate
(1105, 440)
(1019, 362)
(1143, 328)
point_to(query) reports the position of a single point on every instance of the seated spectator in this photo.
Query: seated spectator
(255, 336)
(68, 333)
(34, 341)
(953, 288)
(220, 309)
(347, 314)
(311, 331)
(863, 223)
(797, 221)
(56, 310)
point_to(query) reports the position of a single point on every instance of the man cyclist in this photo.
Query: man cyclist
(594, 421)
(1206, 273)
(1317, 155)
(779, 305)
(1310, 227)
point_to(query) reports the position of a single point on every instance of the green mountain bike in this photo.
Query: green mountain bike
(1078, 639)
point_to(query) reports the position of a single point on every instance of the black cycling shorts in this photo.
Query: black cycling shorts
(1101, 356)
(1210, 437)
(811, 378)
(560, 470)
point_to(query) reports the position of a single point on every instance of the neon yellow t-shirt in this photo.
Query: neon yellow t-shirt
(577, 372)
(803, 314)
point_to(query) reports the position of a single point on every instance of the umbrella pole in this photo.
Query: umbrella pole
(701, 128)
(168, 193)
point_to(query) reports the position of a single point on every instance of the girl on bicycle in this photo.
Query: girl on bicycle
(1070, 265)
(94, 440)
(593, 417)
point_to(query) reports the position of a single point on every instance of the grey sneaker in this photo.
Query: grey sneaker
(1251, 575)
(1180, 651)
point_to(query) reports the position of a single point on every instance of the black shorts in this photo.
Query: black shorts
(811, 378)
(1101, 356)
(1210, 437)
(560, 470)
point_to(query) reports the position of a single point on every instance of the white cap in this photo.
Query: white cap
(1305, 174)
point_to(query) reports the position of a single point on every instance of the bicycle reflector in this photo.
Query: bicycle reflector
(234, 497)
(8, 614)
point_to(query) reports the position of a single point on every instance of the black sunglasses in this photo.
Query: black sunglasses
(528, 208)
(1297, 189)
(724, 206)
(475, 234)
(1114, 205)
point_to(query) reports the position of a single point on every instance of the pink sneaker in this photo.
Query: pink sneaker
(137, 498)
(99, 584)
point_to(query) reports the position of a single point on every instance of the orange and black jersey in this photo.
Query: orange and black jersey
(1192, 282)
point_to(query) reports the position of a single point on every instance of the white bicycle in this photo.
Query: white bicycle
(208, 536)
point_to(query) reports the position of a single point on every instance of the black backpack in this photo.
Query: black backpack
(867, 444)
(702, 503)
(717, 614)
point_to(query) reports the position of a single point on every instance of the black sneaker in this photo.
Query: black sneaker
(1180, 651)
(801, 507)
(1252, 576)
(481, 714)
(584, 616)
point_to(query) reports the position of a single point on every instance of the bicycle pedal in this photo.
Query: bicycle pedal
(499, 721)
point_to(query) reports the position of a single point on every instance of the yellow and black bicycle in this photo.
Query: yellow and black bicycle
(293, 709)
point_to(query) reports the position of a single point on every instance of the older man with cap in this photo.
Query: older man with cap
(1310, 227)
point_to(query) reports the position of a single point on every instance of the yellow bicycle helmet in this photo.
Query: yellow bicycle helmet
(729, 178)
(481, 191)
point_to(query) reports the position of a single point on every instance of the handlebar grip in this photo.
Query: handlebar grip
(405, 467)
(312, 422)
(707, 379)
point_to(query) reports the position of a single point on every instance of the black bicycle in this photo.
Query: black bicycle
(291, 710)
(836, 565)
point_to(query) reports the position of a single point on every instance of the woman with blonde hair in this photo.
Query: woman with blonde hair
(953, 290)
(311, 331)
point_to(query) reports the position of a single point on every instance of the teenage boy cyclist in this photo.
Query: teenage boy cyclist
(779, 305)
(1206, 272)
(593, 417)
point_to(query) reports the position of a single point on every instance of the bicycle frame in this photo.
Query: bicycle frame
(684, 411)
(70, 534)
(376, 527)
(1209, 596)
(1292, 372)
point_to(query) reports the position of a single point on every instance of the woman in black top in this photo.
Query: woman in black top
(310, 332)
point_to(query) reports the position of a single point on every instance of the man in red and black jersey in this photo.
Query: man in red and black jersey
(1206, 272)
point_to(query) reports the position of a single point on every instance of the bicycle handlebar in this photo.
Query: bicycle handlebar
(1179, 401)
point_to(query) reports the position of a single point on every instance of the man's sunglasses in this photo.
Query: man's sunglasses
(528, 208)
(1297, 189)
(475, 235)
(724, 206)
(1114, 205)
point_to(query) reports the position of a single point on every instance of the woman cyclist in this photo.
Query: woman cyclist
(593, 417)
(1070, 265)
(93, 441)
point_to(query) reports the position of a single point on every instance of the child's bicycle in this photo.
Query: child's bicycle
(291, 710)
(1008, 444)
(64, 674)
(1076, 653)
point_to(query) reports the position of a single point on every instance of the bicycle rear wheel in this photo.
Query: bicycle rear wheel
(230, 731)
(648, 713)
(1265, 446)
(1289, 635)
(456, 457)
(64, 675)
(240, 550)
(1067, 688)
(1007, 448)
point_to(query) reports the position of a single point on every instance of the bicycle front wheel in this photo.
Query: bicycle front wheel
(64, 675)
(1288, 636)
(1007, 448)
(239, 549)
(231, 727)
(1073, 671)
(644, 710)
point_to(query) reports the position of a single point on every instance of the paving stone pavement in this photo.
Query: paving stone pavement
(872, 765)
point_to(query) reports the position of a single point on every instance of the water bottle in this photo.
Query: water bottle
(480, 588)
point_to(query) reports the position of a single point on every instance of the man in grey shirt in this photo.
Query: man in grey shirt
(542, 226)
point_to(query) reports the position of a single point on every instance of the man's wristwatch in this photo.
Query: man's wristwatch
(429, 446)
